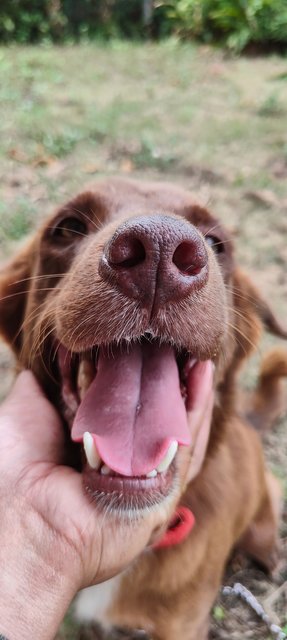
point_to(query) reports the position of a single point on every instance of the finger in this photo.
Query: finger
(30, 428)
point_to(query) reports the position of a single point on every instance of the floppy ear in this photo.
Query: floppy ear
(252, 313)
(14, 287)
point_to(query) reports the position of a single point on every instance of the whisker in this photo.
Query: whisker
(39, 277)
(216, 244)
(79, 336)
(21, 293)
(36, 350)
(238, 292)
(206, 233)
(237, 341)
(100, 222)
(78, 233)
(85, 215)
(241, 315)
(235, 328)
(84, 321)
(32, 316)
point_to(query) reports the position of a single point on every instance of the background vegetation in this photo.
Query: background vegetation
(237, 24)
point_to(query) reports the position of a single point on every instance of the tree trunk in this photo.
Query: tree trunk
(147, 11)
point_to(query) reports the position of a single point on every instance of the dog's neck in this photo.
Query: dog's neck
(178, 529)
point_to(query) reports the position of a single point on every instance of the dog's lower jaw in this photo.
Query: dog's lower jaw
(122, 512)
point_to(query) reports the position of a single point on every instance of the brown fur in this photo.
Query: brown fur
(46, 291)
(268, 402)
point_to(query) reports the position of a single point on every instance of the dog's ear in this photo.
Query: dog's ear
(14, 288)
(252, 313)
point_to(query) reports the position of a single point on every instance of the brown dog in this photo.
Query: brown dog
(116, 304)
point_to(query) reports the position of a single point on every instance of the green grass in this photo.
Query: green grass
(165, 107)
(18, 222)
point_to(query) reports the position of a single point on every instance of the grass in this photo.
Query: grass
(168, 111)
(160, 105)
(16, 223)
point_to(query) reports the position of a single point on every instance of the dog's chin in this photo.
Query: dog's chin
(131, 496)
(127, 406)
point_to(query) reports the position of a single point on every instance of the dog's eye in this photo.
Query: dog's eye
(70, 229)
(215, 243)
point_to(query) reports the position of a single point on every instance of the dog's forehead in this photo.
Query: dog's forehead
(115, 197)
(130, 196)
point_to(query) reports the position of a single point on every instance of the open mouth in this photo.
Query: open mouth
(128, 405)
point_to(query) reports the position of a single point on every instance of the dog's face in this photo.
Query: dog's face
(115, 305)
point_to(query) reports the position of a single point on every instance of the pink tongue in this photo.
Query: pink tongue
(134, 408)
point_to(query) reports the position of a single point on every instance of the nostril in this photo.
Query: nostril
(126, 252)
(188, 259)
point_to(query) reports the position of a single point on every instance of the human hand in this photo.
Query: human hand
(53, 539)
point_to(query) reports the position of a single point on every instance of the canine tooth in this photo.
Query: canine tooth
(168, 458)
(192, 362)
(105, 470)
(151, 474)
(189, 365)
(86, 374)
(90, 448)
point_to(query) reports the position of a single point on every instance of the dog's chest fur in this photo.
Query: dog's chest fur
(95, 602)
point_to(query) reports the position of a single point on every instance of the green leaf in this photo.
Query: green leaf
(218, 613)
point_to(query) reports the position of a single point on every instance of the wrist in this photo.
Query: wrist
(38, 576)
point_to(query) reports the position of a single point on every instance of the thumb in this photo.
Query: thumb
(30, 428)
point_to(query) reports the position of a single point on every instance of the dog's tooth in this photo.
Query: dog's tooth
(90, 448)
(86, 374)
(190, 363)
(168, 458)
(105, 470)
(152, 474)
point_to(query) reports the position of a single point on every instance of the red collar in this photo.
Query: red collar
(179, 528)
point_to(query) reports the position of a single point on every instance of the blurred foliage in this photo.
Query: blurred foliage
(236, 24)
(233, 23)
(56, 20)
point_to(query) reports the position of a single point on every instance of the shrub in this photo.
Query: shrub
(35, 20)
(235, 23)
(31, 20)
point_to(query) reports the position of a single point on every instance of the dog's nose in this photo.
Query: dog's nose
(155, 260)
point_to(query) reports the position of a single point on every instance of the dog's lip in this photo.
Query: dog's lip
(129, 486)
(128, 495)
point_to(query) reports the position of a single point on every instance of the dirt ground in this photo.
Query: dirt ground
(188, 115)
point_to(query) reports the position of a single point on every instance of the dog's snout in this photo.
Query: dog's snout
(155, 260)
(126, 251)
(188, 260)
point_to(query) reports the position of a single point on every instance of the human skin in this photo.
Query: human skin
(53, 541)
